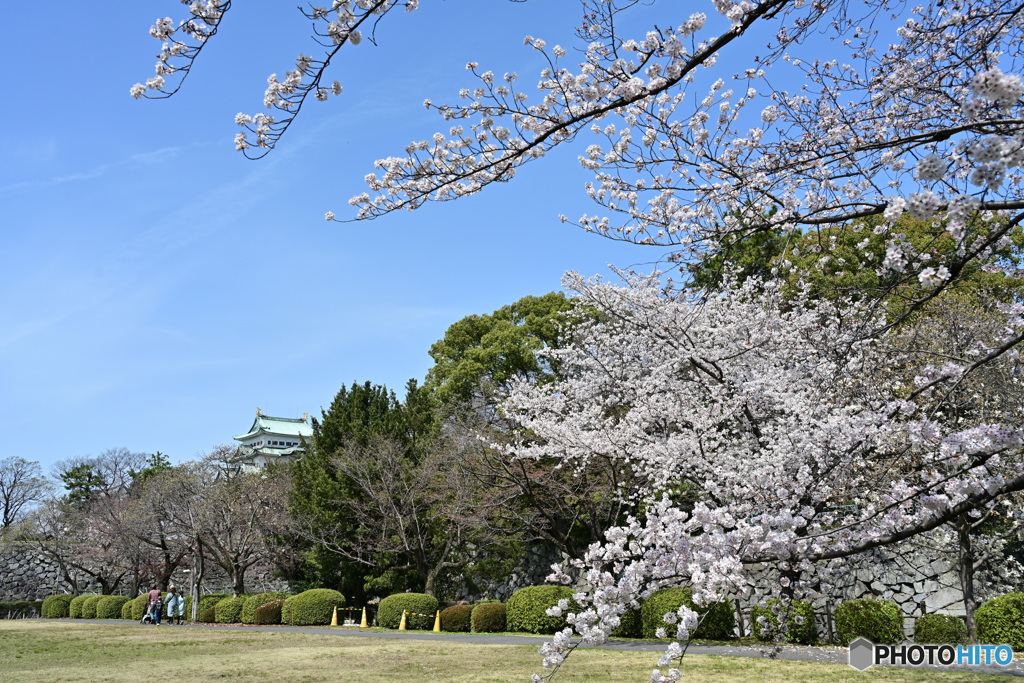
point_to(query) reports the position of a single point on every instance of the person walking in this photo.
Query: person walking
(155, 604)
(175, 605)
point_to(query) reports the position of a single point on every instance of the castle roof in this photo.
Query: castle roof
(277, 426)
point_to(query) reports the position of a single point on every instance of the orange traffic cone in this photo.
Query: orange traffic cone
(401, 627)
(334, 619)
(437, 622)
(364, 624)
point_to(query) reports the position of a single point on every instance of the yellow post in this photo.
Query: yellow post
(437, 622)
(401, 627)
(334, 619)
(364, 624)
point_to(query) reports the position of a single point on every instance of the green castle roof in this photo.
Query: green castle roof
(279, 426)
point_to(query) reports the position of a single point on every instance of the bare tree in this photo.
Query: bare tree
(178, 498)
(206, 511)
(423, 510)
(22, 485)
(566, 507)
(242, 514)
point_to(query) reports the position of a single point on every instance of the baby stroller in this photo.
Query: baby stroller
(148, 618)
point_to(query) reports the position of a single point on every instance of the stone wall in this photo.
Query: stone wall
(533, 570)
(919, 578)
(916, 577)
(25, 575)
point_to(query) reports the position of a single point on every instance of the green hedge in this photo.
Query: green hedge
(109, 606)
(89, 606)
(716, 621)
(269, 613)
(76, 606)
(490, 617)
(631, 625)
(1001, 620)
(939, 629)
(313, 607)
(207, 603)
(19, 609)
(57, 606)
(254, 602)
(229, 610)
(880, 621)
(455, 619)
(389, 612)
(526, 609)
(139, 603)
(126, 609)
(805, 633)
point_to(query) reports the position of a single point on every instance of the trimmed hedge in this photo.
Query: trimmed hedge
(57, 606)
(109, 606)
(490, 617)
(269, 613)
(526, 609)
(455, 619)
(880, 621)
(631, 625)
(389, 612)
(939, 629)
(89, 606)
(229, 610)
(207, 603)
(716, 621)
(313, 607)
(76, 606)
(805, 633)
(1001, 620)
(126, 610)
(18, 610)
(254, 602)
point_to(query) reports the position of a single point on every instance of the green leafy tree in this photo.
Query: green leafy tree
(475, 364)
(157, 463)
(357, 415)
(82, 482)
(845, 261)
(481, 354)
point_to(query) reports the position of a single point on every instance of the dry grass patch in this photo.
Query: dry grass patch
(65, 651)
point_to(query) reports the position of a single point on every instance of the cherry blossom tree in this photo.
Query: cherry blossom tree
(774, 416)
(702, 132)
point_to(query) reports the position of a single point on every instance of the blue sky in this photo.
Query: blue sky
(157, 287)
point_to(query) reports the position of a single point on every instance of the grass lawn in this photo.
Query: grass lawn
(65, 651)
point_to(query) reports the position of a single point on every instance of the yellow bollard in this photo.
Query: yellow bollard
(401, 627)
(437, 622)
(364, 624)
(334, 619)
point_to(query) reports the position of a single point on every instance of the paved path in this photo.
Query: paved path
(836, 655)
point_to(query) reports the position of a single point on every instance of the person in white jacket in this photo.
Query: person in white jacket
(175, 606)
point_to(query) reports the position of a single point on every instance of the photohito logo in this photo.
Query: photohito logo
(865, 654)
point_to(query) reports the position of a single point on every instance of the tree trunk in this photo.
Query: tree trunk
(431, 581)
(237, 579)
(197, 580)
(967, 575)
(136, 582)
